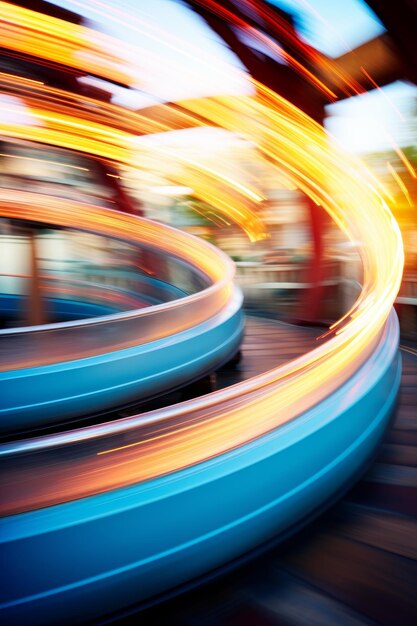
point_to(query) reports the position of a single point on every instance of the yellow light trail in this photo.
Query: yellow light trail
(168, 440)
(114, 140)
(403, 158)
(54, 39)
(400, 183)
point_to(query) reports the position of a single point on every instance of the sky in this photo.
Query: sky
(371, 121)
(333, 26)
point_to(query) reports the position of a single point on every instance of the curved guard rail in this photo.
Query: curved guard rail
(47, 394)
(58, 371)
(170, 529)
(77, 339)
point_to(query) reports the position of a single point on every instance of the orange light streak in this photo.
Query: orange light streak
(400, 183)
(406, 162)
(54, 39)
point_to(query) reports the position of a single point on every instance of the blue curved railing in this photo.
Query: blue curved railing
(166, 531)
(41, 395)
(53, 372)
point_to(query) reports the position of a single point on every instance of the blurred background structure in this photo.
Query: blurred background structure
(304, 260)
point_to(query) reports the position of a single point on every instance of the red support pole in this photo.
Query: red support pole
(36, 312)
(310, 307)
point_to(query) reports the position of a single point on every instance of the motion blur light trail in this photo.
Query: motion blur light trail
(58, 119)
(53, 39)
(183, 435)
(58, 125)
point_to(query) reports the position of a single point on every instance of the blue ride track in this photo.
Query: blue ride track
(106, 552)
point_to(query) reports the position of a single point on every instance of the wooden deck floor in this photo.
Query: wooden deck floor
(266, 344)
